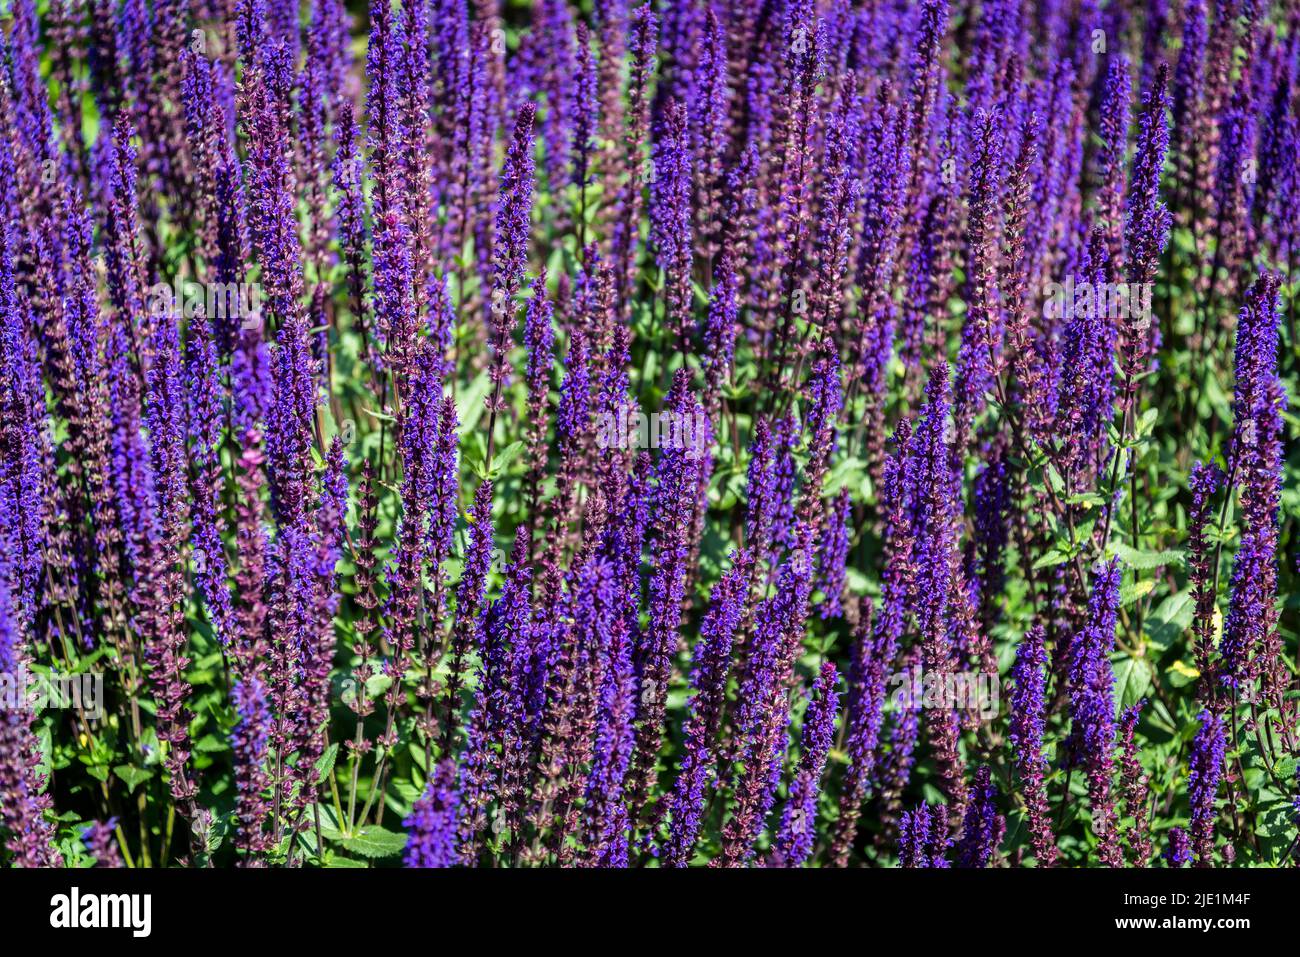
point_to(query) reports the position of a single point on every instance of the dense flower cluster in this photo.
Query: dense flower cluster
(649, 433)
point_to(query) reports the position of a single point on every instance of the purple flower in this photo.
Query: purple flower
(425, 461)
(348, 171)
(1232, 190)
(434, 820)
(1189, 75)
(897, 763)
(710, 665)
(826, 402)
(794, 839)
(1025, 735)
(24, 439)
(250, 741)
(991, 493)
(1250, 648)
(274, 231)
(497, 708)
(1134, 785)
(982, 827)
(883, 150)
(22, 803)
(514, 208)
(720, 329)
(166, 638)
(1092, 706)
(471, 613)
(835, 229)
(1279, 182)
(760, 490)
(1086, 398)
(1178, 852)
(762, 715)
(875, 648)
(204, 395)
(551, 58)
(1204, 773)
(101, 843)
(1114, 127)
(131, 467)
(934, 505)
(710, 119)
(1204, 485)
(574, 410)
(252, 547)
(305, 599)
(585, 105)
(643, 35)
(833, 555)
(670, 215)
(982, 334)
(923, 839)
(539, 341)
(1146, 230)
(511, 625)
(442, 491)
(615, 738)
(676, 498)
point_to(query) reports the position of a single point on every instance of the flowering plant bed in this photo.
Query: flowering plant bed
(700, 433)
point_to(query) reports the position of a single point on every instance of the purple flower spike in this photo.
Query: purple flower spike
(710, 665)
(434, 822)
(983, 827)
(1028, 721)
(1178, 852)
(101, 843)
(670, 215)
(795, 837)
(1250, 648)
(1092, 706)
(923, 837)
(1204, 774)
(834, 555)
(251, 740)
(763, 715)
(22, 803)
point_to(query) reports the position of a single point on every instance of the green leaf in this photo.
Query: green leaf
(1086, 499)
(407, 791)
(326, 762)
(848, 472)
(1147, 559)
(473, 452)
(1132, 680)
(1147, 422)
(1135, 591)
(502, 459)
(1171, 618)
(1277, 824)
(375, 842)
(330, 827)
(1054, 479)
(469, 403)
(132, 775)
(211, 743)
(1181, 674)
(336, 861)
(1054, 557)
(417, 755)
